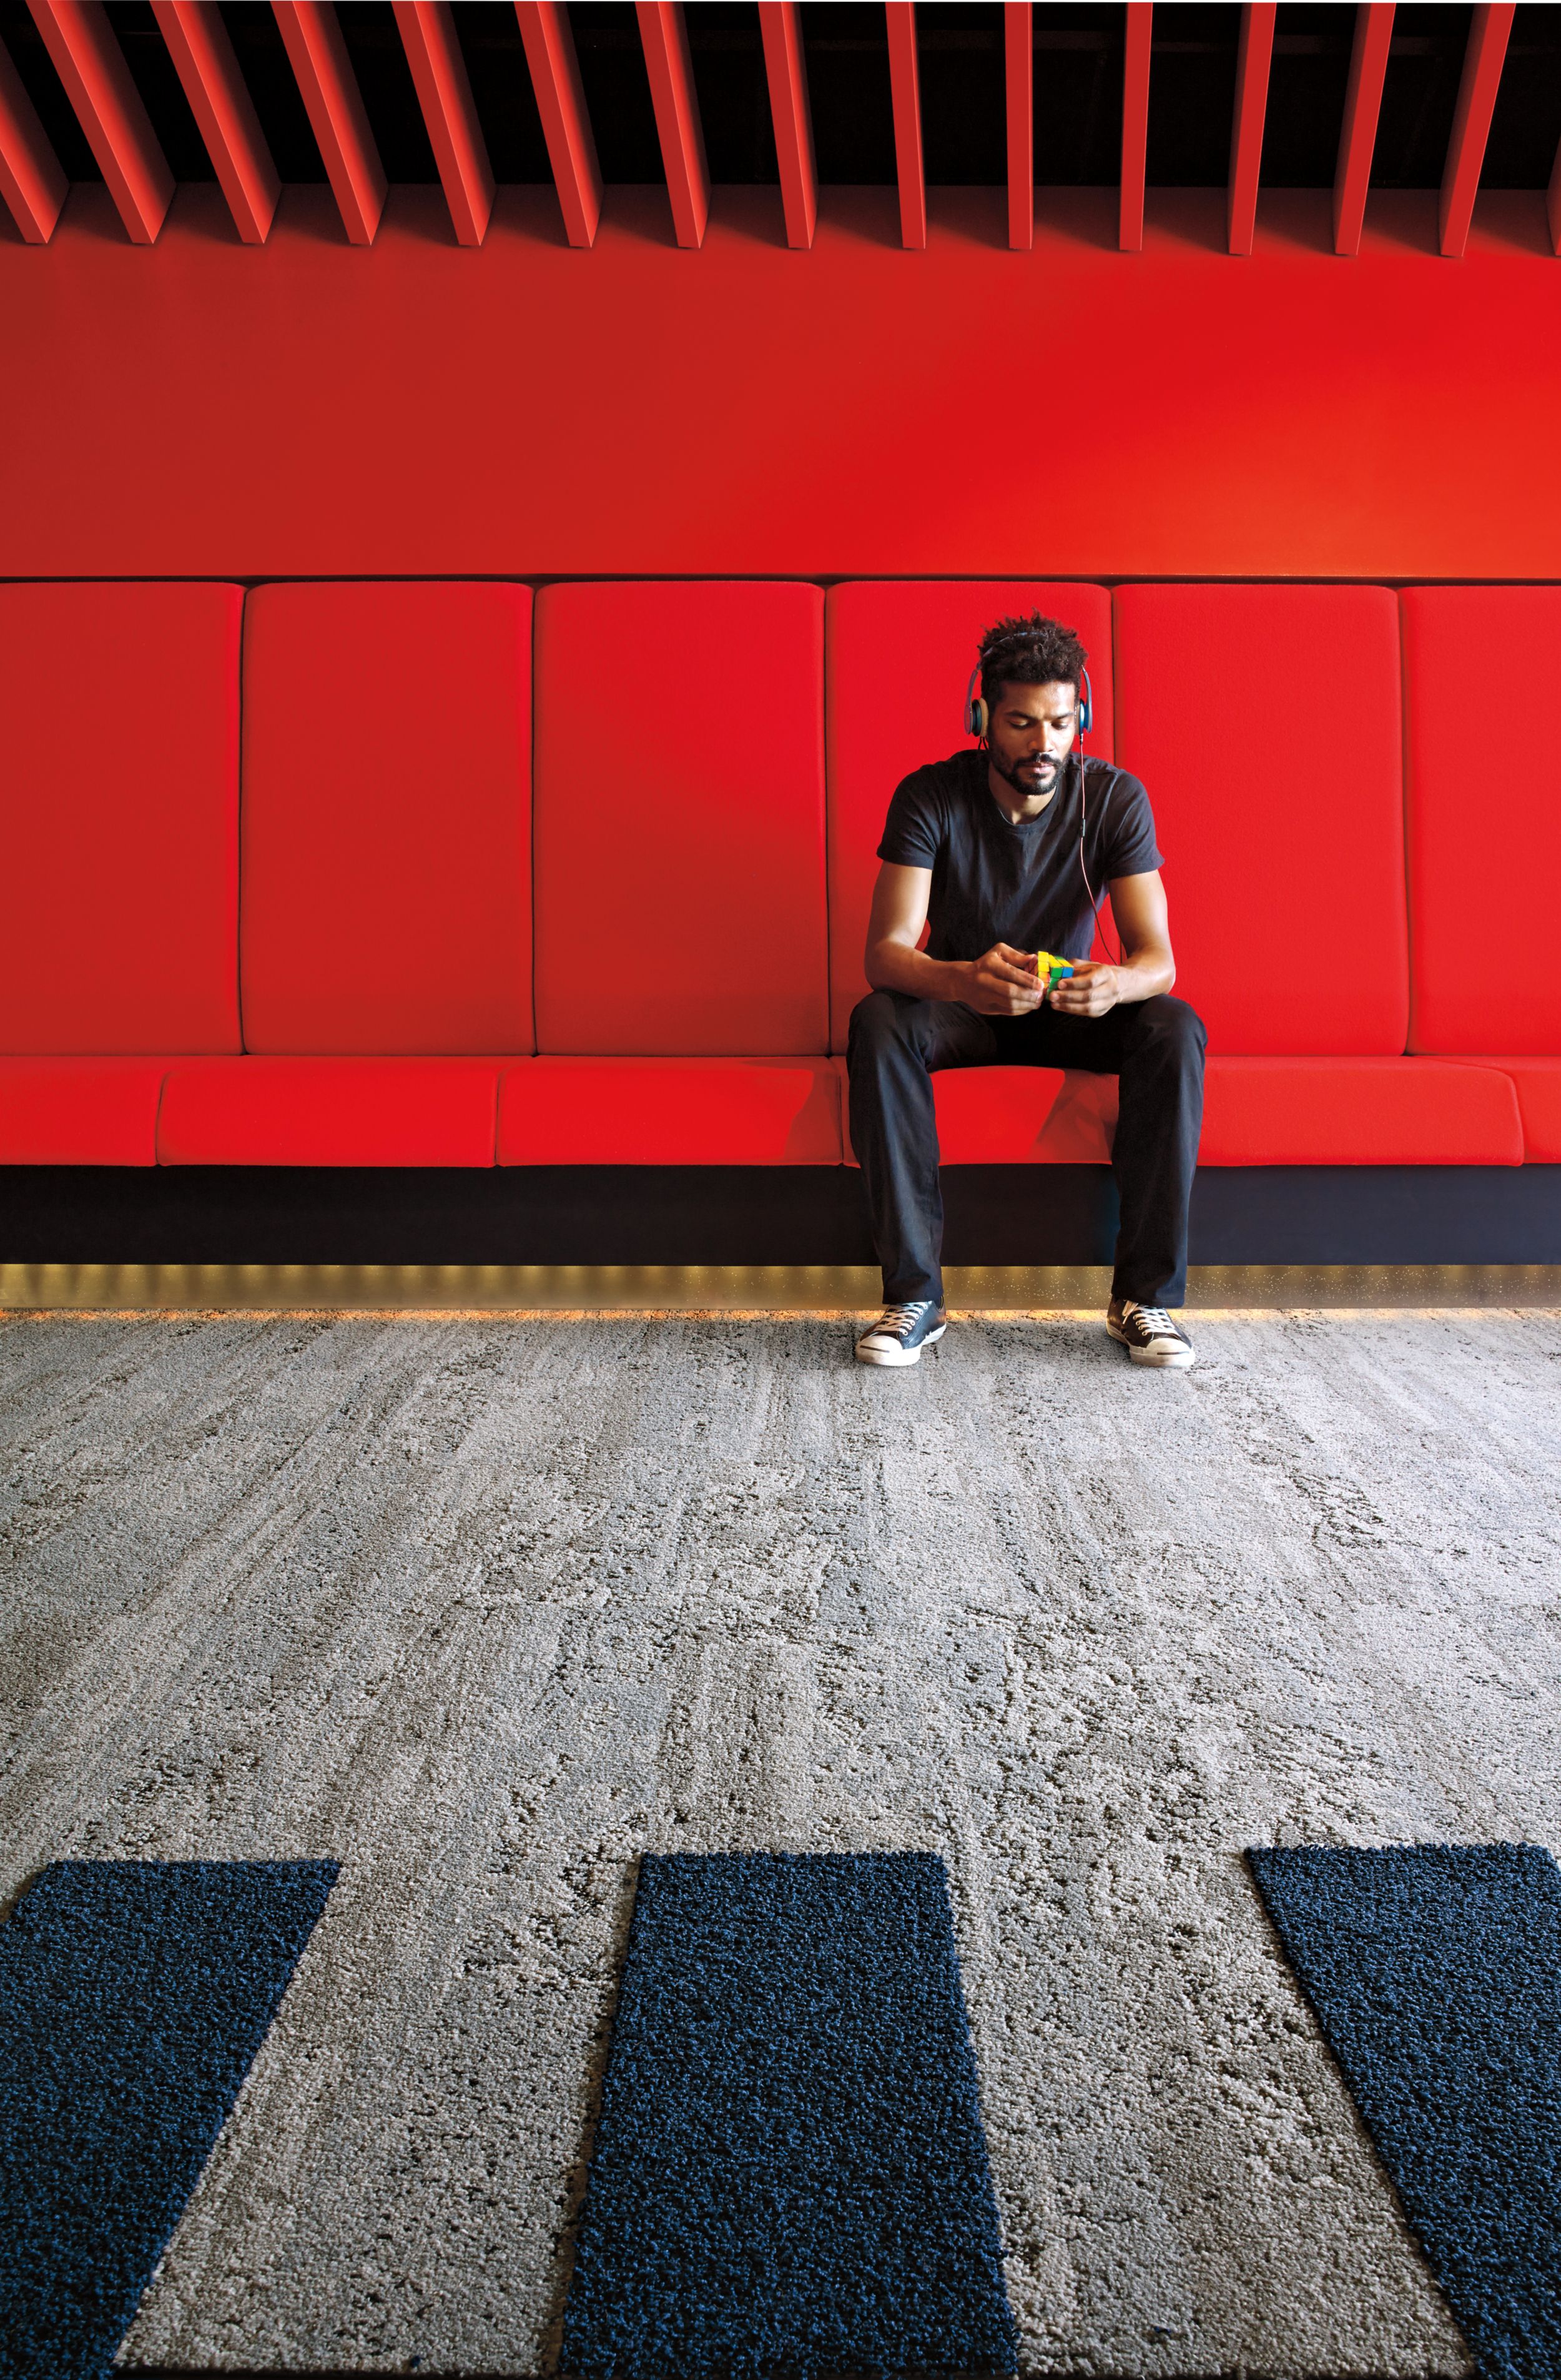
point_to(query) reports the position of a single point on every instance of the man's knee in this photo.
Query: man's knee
(877, 1024)
(1172, 1031)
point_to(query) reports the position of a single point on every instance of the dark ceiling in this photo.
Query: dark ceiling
(1078, 54)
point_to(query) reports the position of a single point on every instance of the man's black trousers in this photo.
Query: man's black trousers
(1156, 1047)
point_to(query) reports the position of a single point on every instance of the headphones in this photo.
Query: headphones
(977, 720)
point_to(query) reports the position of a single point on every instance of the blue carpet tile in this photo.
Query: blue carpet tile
(1436, 1974)
(133, 1999)
(789, 2174)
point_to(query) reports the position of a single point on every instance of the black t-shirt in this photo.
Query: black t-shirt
(996, 882)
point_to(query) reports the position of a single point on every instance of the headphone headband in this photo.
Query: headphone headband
(977, 717)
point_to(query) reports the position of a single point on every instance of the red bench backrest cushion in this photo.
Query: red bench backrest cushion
(1265, 722)
(1483, 714)
(899, 658)
(119, 818)
(680, 820)
(387, 823)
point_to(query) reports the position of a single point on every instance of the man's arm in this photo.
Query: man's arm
(1138, 905)
(999, 984)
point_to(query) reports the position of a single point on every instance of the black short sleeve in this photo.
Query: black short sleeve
(915, 827)
(1127, 844)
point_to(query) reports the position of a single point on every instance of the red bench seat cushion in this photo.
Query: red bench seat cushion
(1257, 1112)
(1537, 1082)
(329, 1111)
(669, 1111)
(79, 1110)
(119, 818)
(1358, 1112)
(1015, 1115)
(921, 636)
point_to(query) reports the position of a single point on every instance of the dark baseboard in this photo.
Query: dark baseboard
(734, 1215)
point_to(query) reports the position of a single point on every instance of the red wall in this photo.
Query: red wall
(522, 408)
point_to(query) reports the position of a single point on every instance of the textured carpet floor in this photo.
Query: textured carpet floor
(485, 1609)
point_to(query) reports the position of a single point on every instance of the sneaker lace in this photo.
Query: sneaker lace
(896, 1319)
(1157, 1321)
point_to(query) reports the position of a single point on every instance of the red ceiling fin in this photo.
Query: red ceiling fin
(336, 112)
(1135, 122)
(32, 180)
(219, 98)
(786, 68)
(664, 36)
(1253, 59)
(1471, 123)
(1362, 105)
(556, 79)
(1019, 63)
(444, 94)
(905, 89)
(91, 66)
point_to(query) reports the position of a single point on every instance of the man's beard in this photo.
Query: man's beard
(1012, 777)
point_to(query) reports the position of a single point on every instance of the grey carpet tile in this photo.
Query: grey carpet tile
(484, 1609)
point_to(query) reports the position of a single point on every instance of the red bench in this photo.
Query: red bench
(373, 913)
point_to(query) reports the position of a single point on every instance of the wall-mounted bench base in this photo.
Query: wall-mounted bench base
(564, 1214)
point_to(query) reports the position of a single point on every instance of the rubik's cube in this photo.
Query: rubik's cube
(1051, 968)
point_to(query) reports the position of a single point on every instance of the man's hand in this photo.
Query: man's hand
(1002, 982)
(1090, 990)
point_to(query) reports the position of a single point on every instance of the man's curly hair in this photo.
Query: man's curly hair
(1032, 651)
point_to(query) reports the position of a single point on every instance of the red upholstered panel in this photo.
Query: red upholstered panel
(669, 1111)
(387, 833)
(1357, 1112)
(680, 820)
(1281, 822)
(1484, 758)
(79, 1110)
(329, 1111)
(119, 818)
(899, 658)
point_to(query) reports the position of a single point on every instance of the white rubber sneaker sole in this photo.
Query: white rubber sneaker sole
(1175, 1359)
(892, 1356)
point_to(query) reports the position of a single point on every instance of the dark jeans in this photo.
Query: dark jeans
(1155, 1046)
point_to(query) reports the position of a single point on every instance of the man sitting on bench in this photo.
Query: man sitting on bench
(1007, 851)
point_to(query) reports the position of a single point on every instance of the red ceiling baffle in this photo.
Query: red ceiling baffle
(1020, 63)
(219, 98)
(786, 68)
(1252, 62)
(32, 180)
(664, 35)
(1135, 122)
(906, 91)
(336, 112)
(91, 66)
(1471, 123)
(444, 94)
(556, 79)
(1362, 105)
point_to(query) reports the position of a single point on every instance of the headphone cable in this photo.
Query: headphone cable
(1084, 866)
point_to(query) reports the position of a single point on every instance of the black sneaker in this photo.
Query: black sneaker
(1149, 1334)
(901, 1332)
